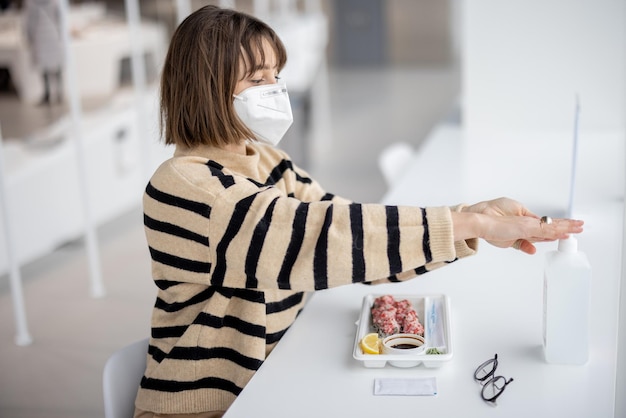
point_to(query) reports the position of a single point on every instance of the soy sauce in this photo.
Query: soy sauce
(404, 346)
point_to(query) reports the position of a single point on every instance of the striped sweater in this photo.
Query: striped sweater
(236, 242)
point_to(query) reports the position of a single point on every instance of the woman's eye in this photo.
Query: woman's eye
(256, 81)
(276, 77)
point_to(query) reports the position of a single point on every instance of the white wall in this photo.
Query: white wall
(524, 61)
(620, 384)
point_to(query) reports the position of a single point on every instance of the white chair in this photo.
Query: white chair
(393, 160)
(121, 377)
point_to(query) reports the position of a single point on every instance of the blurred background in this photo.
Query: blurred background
(362, 75)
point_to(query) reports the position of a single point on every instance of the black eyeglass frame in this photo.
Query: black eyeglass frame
(490, 379)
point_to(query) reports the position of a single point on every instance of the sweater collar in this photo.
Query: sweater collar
(243, 164)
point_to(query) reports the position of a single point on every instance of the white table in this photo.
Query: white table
(496, 300)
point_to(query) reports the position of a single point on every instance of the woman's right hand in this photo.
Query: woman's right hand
(506, 223)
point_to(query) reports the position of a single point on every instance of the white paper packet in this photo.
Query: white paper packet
(425, 386)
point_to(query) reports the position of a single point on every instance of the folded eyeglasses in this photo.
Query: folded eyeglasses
(493, 386)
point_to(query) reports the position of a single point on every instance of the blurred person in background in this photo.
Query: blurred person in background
(43, 31)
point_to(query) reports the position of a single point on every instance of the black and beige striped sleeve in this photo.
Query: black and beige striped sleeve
(227, 231)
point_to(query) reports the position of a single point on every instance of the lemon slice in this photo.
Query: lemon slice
(370, 344)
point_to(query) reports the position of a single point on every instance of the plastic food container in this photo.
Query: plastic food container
(433, 312)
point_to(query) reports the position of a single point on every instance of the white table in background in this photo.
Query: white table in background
(496, 303)
(98, 47)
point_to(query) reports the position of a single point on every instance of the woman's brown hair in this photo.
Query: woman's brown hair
(201, 71)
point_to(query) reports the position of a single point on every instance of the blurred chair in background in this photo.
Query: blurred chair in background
(393, 160)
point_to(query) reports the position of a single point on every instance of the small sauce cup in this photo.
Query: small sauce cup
(404, 344)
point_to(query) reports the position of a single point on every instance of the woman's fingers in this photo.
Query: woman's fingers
(521, 232)
(547, 232)
(559, 229)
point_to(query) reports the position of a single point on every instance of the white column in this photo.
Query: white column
(22, 336)
(620, 382)
(138, 71)
(91, 240)
(183, 9)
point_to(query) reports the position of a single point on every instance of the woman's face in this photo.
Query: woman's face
(266, 75)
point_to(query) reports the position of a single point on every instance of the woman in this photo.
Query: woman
(238, 234)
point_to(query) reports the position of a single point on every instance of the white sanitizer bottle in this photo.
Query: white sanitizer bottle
(566, 295)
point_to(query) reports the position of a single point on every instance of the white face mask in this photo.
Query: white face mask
(265, 110)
